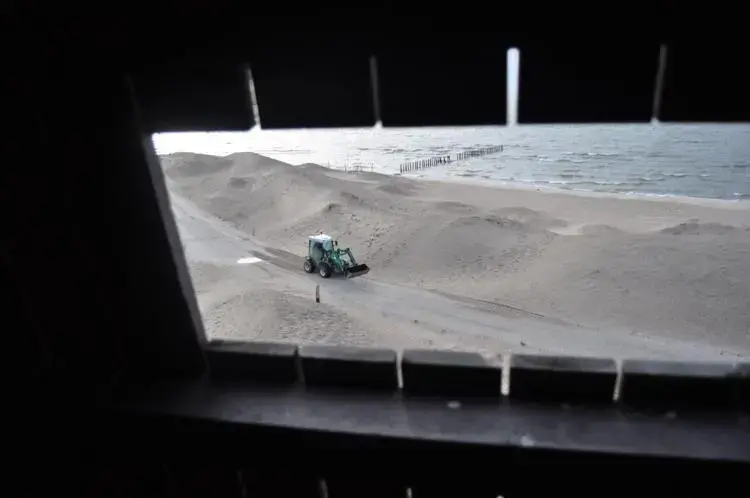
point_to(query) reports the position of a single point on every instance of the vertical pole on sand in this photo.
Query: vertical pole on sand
(317, 293)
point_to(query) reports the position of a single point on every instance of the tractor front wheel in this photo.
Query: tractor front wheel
(325, 270)
(309, 266)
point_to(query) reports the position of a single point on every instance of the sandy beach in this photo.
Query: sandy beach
(462, 266)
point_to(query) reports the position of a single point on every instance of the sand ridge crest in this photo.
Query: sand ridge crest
(696, 227)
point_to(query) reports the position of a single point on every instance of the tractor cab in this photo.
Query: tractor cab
(318, 246)
(324, 254)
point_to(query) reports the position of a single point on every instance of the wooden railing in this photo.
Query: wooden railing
(276, 419)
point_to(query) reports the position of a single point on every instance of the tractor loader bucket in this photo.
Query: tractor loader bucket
(357, 271)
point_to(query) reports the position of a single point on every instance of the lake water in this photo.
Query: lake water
(711, 161)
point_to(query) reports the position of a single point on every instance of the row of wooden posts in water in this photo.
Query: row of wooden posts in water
(439, 160)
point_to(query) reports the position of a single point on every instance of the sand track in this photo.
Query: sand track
(273, 299)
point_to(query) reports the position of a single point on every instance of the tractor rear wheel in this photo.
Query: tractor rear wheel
(325, 270)
(309, 266)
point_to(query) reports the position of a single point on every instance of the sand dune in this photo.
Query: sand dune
(658, 267)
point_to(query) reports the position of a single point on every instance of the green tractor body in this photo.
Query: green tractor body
(324, 255)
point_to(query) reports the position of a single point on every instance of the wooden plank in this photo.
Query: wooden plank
(259, 361)
(705, 80)
(563, 379)
(364, 487)
(325, 87)
(588, 82)
(461, 81)
(449, 374)
(201, 479)
(194, 94)
(264, 482)
(669, 385)
(467, 488)
(337, 366)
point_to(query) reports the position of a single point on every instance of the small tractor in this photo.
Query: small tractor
(324, 254)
